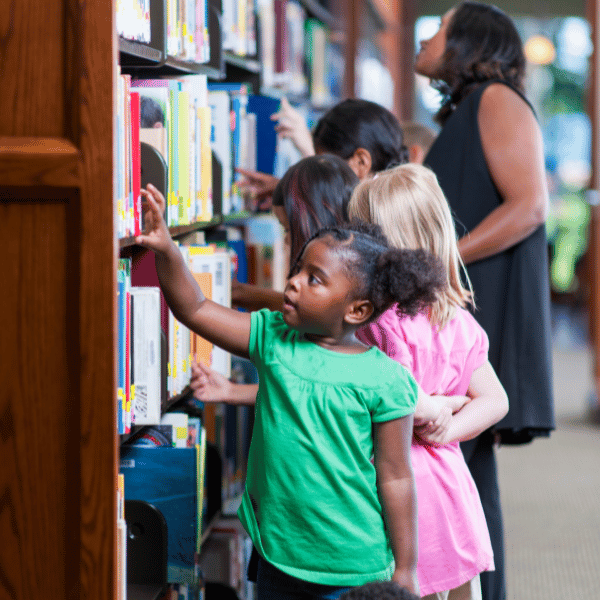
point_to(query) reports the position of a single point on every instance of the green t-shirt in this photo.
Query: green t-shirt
(311, 505)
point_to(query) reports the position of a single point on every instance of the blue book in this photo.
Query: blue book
(168, 479)
(266, 136)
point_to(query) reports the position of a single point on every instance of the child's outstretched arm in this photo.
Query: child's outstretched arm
(252, 297)
(210, 386)
(395, 481)
(224, 327)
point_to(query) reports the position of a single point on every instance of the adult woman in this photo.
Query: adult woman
(489, 162)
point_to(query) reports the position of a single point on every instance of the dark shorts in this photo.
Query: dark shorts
(273, 584)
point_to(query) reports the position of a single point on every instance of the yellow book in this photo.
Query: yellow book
(201, 348)
(206, 165)
(183, 100)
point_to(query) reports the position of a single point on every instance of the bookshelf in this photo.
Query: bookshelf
(58, 438)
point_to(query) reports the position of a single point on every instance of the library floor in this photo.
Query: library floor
(551, 488)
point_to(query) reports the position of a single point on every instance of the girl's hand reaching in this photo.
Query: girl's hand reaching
(208, 385)
(291, 124)
(156, 234)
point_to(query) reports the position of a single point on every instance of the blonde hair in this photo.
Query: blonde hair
(409, 205)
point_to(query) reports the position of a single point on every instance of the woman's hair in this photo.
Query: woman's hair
(354, 124)
(482, 43)
(314, 193)
(382, 274)
(409, 205)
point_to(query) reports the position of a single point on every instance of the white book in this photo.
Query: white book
(218, 264)
(179, 421)
(145, 307)
(220, 139)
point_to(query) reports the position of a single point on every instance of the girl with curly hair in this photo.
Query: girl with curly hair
(322, 516)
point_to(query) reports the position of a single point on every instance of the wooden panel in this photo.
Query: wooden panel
(32, 66)
(98, 254)
(38, 411)
(38, 161)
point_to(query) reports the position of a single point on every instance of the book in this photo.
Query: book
(146, 333)
(168, 478)
(266, 136)
(179, 422)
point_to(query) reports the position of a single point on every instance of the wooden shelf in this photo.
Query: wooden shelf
(314, 9)
(138, 54)
(246, 63)
(379, 13)
(177, 231)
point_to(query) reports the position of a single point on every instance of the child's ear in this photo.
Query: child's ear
(416, 154)
(359, 311)
(361, 162)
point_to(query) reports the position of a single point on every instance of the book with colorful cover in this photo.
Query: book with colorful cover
(168, 478)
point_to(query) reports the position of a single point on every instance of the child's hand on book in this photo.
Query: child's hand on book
(208, 385)
(156, 234)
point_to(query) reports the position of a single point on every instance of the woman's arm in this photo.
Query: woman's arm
(396, 485)
(210, 386)
(252, 297)
(227, 328)
(513, 149)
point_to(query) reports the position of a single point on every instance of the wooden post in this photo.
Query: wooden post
(593, 251)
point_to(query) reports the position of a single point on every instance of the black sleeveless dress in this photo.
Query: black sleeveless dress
(511, 288)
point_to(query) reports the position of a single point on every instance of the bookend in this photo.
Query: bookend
(146, 544)
(154, 168)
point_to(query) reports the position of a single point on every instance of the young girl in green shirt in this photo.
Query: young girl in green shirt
(322, 516)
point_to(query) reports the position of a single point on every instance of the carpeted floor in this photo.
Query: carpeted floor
(551, 495)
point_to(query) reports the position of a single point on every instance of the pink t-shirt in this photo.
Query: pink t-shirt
(454, 543)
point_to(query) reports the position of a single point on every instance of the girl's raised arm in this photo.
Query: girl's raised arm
(227, 328)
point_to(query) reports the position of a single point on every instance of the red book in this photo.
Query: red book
(280, 36)
(136, 163)
(128, 398)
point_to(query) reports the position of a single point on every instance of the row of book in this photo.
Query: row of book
(172, 480)
(155, 351)
(133, 20)
(186, 122)
(187, 35)
(298, 54)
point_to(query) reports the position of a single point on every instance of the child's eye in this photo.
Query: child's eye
(313, 279)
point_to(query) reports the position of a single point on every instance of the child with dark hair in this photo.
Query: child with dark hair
(314, 193)
(151, 113)
(322, 516)
(363, 133)
(379, 590)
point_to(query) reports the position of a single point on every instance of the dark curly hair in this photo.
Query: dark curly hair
(482, 43)
(379, 590)
(314, 193)
(384, 275)
(356, 123)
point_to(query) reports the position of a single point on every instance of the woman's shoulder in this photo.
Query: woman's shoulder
(500, 98)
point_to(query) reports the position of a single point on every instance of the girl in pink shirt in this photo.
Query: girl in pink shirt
(446, 351)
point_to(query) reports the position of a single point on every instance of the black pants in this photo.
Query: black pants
(480, 457)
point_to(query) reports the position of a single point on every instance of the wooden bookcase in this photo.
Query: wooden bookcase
(57, 354)
(58, 439)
